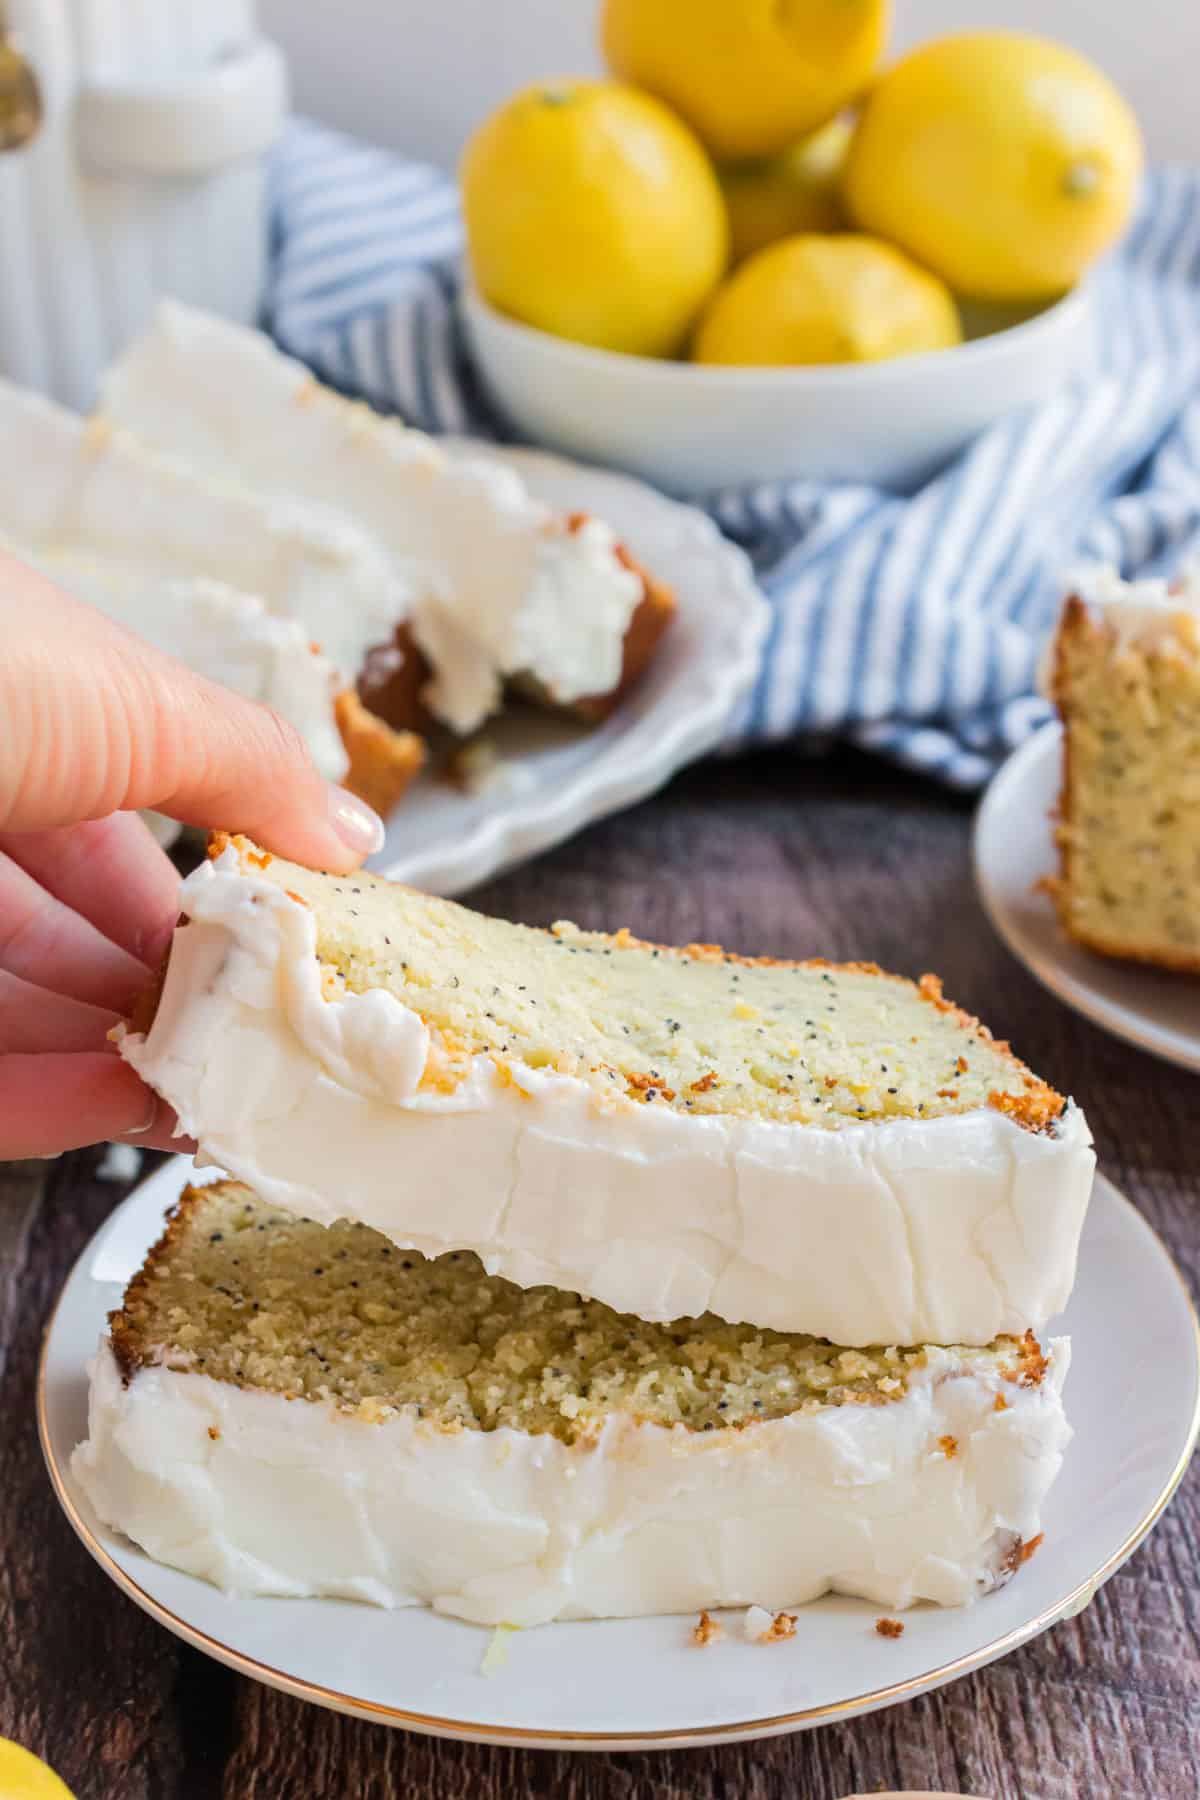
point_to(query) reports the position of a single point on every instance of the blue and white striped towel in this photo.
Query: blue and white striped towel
(908, 625)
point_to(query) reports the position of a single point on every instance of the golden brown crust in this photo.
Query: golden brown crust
(1029, 1370)
(1019, 1552)
(1074, 623)
(145, 1006)
(391, 684)
(384, 762)
(781, 1628)
(651, 618)
(125, 1328)
(1178, 962)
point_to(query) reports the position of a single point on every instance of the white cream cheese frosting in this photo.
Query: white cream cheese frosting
(949, 1230)
(929, 1497)
(1141, 614)
(84, 496)
(227, 636)
(500, 586)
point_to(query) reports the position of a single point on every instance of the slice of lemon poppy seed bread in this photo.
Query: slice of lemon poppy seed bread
(805, 1146)
(289, 1408)
(1125, 677)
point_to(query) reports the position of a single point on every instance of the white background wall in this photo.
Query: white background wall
(420, 73)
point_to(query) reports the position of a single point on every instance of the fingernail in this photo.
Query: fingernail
(151, 1116)
(358, 825)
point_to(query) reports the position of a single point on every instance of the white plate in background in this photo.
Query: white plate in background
(559, 776)
(1133, 1394)
(1014, 848)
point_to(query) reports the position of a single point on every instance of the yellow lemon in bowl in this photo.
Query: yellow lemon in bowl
(1003, 162)
(826, 299)
(781, 195)
(749, 76)
(592, 212)
(23, 1776)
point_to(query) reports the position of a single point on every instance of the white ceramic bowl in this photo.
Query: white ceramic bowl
(692, 428)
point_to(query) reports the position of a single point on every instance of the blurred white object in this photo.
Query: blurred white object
(120, 1162)
(145, 177)
(691, 428)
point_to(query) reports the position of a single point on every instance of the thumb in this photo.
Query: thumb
(99, 722)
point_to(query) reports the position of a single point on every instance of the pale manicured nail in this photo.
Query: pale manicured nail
(151, 1116)
(359, 827)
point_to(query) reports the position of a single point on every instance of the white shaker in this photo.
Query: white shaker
(145, 177)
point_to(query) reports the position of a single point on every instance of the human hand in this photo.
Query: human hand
(94, 725)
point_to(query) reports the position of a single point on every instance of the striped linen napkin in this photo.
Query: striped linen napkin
(908, 625)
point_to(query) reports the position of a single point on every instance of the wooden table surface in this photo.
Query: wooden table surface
(779, 854)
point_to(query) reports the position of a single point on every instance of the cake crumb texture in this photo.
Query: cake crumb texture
(1129, 811)
(245, 1294)
(695, 1029)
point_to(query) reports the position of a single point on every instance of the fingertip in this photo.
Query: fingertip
(162, 1133)
(55, 1101)
(358, 827)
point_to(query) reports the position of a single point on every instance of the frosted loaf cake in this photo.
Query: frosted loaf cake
(808, 1147)
(249, 595)
(292, 1409)
(502, 587)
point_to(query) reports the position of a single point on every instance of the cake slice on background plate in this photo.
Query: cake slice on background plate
(1124, 673)
(292, 1409)
(259, 598)
(805, 1146)
(505, 589)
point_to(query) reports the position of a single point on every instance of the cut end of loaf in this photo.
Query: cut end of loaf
(1128, 830)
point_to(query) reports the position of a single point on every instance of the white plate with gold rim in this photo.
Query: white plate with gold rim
(1133, 1394)
(1014, 850)
(553, 776)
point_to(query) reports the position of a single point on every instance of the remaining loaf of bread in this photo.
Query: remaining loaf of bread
(240, 590)
(500, 586)
(289, 1408)
(673, 1131)
(1124, 673)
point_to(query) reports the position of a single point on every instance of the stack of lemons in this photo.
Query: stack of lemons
(750, 189)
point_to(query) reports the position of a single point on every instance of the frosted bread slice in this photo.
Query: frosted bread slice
(804, 1146)
(287, 1408)
(503, 585)
(1125, 675)
(237, 590)
(80, 490)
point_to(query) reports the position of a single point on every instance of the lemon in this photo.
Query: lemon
(799, 191)
(593, 212)
(24, 1777)
(815, 299)
(749, 76)
(1003, 162)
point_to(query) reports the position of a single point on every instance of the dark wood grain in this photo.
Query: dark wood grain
(778, 854)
